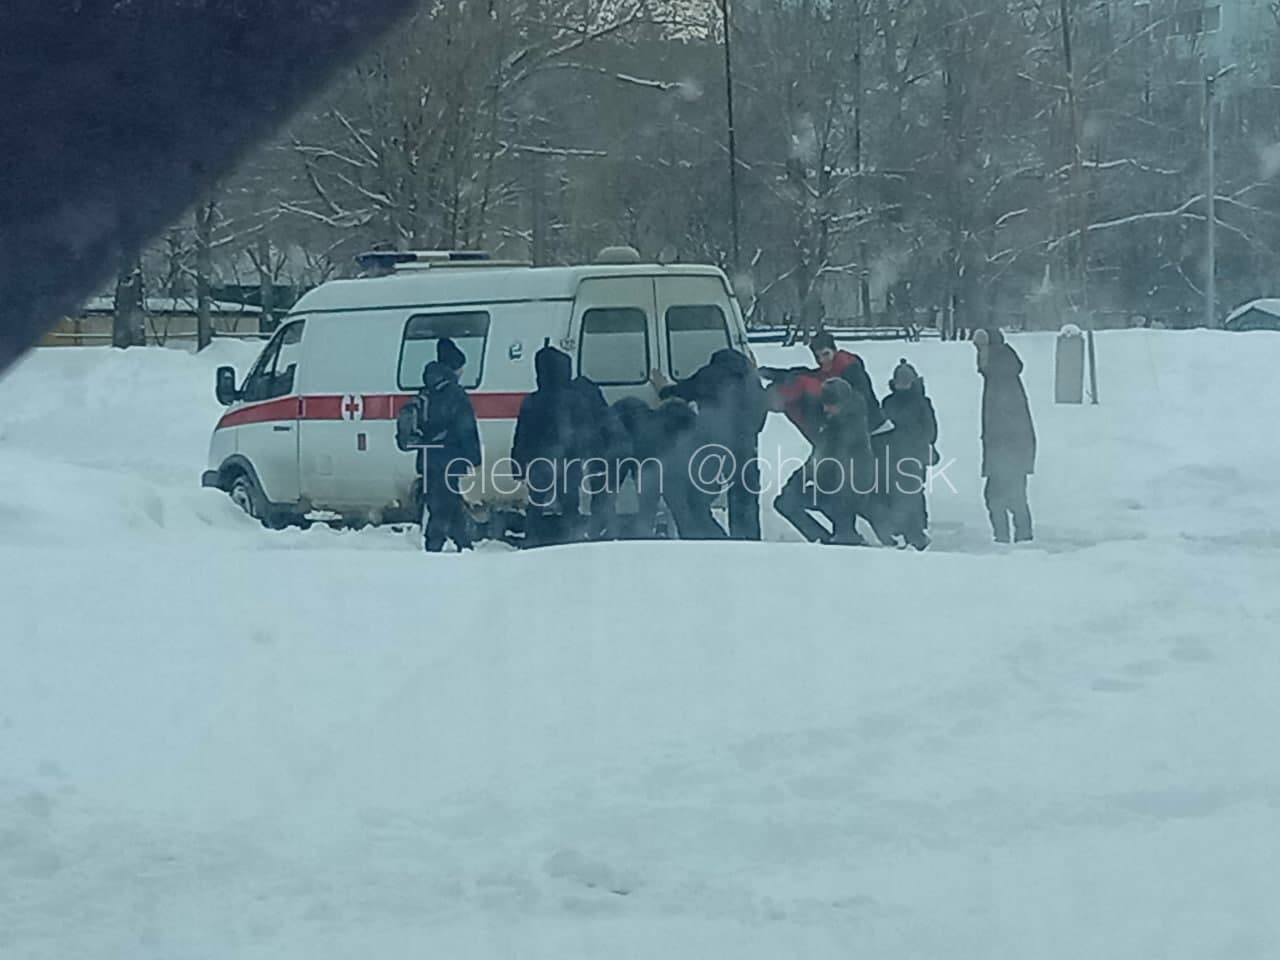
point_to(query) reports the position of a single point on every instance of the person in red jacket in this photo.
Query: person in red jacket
(797, 393)
(795, 390)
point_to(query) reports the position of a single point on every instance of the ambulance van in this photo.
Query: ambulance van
(311, 427)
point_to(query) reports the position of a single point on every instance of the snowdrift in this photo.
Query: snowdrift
(216, 741)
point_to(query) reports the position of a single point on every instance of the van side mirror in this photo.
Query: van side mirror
(225, 386)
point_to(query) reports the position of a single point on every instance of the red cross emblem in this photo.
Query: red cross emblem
(352, 407)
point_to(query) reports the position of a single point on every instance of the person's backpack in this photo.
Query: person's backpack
(409, 425)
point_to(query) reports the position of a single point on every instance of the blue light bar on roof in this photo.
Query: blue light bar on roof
(385, 261)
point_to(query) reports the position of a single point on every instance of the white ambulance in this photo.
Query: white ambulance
(311, 428)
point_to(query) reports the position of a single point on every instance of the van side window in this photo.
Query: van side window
(694, 333)
(614, 347)
(469, 330)
(274, 373)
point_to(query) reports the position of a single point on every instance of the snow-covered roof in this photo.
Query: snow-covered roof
(106, 304)
(1269, 305)
(477, 284)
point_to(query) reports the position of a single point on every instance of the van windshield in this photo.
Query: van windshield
(423, 332)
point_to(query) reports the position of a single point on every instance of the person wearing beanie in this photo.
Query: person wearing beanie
(839, 479)
(451, 449)
(910, 454)
(448, 353)
(1008, 437)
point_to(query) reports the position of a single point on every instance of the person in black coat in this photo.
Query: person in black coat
(839, 479)
(1008, 436)
(660, 445)
(552, 440)
(910, 453)
(451, 450)
(602, 443)
(732, 406)
(637, 454)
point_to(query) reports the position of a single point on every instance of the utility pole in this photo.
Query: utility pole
(204, 268)
(538, 167)
(1079, 199)
(733, 138)
(1211, 270)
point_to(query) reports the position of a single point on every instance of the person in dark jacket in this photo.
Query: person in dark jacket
(732, 408)
(602, 443)
(660, 445)
(451, 450)
(910, 453)
(839, 478)
(637, 458)
(548, 450)
(1008, 436)
(687, 493)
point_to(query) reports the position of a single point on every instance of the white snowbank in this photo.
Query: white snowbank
(220, 742)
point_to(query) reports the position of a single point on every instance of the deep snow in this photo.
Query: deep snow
(217, 741)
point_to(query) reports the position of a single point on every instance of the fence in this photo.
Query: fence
(787, 335)
(160, 330)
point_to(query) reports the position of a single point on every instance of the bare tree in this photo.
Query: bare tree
(204, 218)
(128, 327)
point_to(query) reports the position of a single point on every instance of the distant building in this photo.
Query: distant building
(1255, 315)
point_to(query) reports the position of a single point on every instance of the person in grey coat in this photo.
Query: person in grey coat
(1008, 437)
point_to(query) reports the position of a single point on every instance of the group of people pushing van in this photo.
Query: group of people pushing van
(870, 456)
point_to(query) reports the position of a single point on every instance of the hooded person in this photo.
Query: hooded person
(548, 449)
(732, 407)
(910, 453)
(602, 444)
(450, 450)
(839, 478)
(1008, 436)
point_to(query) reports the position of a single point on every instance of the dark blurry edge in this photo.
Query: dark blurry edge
(117, 113)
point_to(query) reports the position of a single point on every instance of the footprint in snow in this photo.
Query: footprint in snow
(594, 874)
(1110, 685)
(1191, 651)
(1143, 668)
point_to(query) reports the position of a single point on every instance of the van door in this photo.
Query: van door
(267, 426)
(367, 368)
(615, 329)
(696, 319)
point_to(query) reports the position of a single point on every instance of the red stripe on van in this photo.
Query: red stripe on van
(373, 406)
(285, 408)
(497, 406)
(321, 408)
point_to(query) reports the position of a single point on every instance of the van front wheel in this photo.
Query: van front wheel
(246, 495)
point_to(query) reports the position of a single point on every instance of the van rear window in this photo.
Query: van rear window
(615, 346)
(694, 333)
(469, 331)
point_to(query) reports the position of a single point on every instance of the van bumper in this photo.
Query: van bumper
(209, 479)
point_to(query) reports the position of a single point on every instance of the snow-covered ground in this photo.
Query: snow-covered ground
(220, 742)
